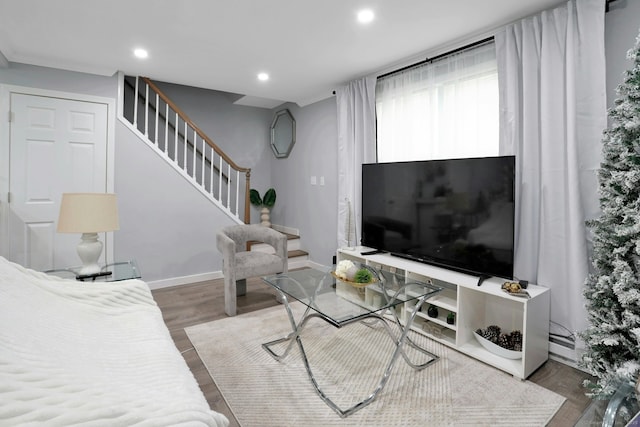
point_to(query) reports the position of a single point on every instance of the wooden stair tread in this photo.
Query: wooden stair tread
(296, 253)
(291, 253)
(256, 242)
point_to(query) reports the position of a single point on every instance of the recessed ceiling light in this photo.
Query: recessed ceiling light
(365, 16)
(263, 77)
(141, 53)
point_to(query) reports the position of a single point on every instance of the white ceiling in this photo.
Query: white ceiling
(308, 47)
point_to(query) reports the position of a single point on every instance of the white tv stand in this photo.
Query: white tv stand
(474, 307)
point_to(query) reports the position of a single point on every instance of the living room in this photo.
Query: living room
(170, 229)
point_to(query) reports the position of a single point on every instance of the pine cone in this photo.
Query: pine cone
(492, 333)
(516, 340)
(504, 341)
(494, 329)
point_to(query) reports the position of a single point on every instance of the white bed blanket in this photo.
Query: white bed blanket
(94, 354)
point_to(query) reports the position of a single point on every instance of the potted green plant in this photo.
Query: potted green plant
(265, 204)
(451, 318)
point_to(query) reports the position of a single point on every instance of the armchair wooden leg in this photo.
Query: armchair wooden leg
(241, 287)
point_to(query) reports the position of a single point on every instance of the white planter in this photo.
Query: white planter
(264, 217)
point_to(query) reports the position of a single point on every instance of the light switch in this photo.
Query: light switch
(313, 180)
(322, 180)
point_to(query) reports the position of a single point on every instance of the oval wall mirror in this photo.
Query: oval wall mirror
(283, 133)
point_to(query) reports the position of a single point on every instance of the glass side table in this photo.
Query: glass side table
(113, 272)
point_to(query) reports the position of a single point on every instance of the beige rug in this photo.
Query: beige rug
(348, 363)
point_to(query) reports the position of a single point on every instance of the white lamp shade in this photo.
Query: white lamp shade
(88, 213)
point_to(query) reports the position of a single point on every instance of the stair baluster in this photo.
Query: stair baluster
(188, 154)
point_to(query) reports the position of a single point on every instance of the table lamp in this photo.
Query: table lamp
(89, 214)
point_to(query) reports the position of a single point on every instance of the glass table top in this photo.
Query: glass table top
(340, 301)
(121, 270)
(620, 409)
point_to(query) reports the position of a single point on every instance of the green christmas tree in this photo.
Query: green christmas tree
(613, 290)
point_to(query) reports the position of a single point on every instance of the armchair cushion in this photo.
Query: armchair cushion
(252, 264)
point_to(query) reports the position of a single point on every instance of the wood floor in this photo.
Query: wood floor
(197, 303)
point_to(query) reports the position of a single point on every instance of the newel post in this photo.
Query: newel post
(247, 204)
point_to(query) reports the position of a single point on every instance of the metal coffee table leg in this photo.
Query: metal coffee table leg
(399, 350)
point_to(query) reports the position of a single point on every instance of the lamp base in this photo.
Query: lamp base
(89, 250)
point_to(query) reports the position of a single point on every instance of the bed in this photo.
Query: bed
(91, 354)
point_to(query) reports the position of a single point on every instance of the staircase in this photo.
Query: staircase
(162, 125)
(297, 257)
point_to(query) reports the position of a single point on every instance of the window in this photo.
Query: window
(447, 108)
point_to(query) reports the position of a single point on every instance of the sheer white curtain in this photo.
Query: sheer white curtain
(356, 145)
(439, 110)
(552, 114)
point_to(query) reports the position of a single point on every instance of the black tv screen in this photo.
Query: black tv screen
(457, 214)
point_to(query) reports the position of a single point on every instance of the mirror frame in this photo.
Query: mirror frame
(277, 141)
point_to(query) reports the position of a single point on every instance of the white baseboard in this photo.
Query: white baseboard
(565, 355)
(203, 277)
(315, 265)
(184, 280)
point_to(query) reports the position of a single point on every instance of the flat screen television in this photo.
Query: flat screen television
(457, 214)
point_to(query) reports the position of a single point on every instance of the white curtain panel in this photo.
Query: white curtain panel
(441, 110)
(356, 145)
(551, 71)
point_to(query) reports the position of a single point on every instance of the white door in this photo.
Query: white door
(57, 146)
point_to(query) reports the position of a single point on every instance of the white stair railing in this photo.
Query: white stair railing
(170, 132)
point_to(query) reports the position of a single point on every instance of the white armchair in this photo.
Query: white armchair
(238, 264)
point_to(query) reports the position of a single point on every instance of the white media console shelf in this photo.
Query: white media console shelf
(474, 307)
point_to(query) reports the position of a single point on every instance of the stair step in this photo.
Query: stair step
(293, 243)
(289, 237)
(297, 253)
(297, 257)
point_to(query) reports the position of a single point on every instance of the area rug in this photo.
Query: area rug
(348, 363)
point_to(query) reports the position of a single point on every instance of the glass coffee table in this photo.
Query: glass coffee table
(341, 303)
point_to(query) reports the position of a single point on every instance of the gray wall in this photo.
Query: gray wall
(313, 209)
(242, 132)
(59, 80)
(169, 229)
(165, 224)
(621, 29)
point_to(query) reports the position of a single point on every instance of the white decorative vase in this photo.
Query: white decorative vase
(264, 217)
